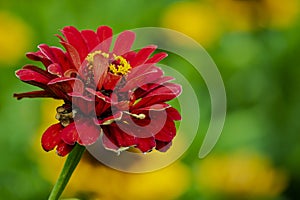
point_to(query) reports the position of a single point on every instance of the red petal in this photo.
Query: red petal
(32, 75)
(167, 133)
(173, 113)
(111, 81)
(163, 146)
(63, 149)
(55, 69)
(90, 38)
(69, 134)
(68, 85)
(62, 59)
(161, 94)
(157, 57)
(124, 42)
(87, 131)
(75, 56)
(105, 37)
(142, 55)
(75, 38)
(118, 136)
(39, 56)
(142, 79)
(146, 144)
(52, 137)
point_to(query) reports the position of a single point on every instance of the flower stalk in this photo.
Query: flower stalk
(65, 175)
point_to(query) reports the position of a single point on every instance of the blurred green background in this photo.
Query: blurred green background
(256, 46)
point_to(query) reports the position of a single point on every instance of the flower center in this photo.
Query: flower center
(119, 66)
(65, 114)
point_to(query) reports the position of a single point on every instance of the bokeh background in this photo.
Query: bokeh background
(256, 46)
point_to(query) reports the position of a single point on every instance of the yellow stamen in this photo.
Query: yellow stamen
(120, 69)
(90, 56)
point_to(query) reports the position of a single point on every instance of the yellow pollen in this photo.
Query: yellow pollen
(90, 56)
(120, 69)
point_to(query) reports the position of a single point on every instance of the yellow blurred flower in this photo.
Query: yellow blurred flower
(193, 19)
(15, 38)
(97, 181)
(248, 15)
(205, 21)
(240, 175)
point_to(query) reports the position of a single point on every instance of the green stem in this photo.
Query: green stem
(70, 165)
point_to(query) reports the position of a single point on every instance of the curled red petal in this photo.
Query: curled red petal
(52, 137)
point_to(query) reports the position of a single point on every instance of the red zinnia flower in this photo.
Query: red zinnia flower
(119, 95)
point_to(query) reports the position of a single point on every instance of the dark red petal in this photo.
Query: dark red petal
(39, 70)
(87, 131)
(157, 57)
(118, 136)
(145, 89)
(32, 75)
(68, 85)
(47, 51)
(146, 144)
(69, 134)
(62, 59)
(39, 56)
(74, 55)
(109, 142)
(63, 149)
(75, 39)
(90, 38)
(124, 42)
(163, 146)
(173, 113)
(52, 137)
(143, 55)
(168, 132)
(161, 94)
(84, 103)
(105, 38)
(34, 94)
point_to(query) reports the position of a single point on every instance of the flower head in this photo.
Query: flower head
(119, 95)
